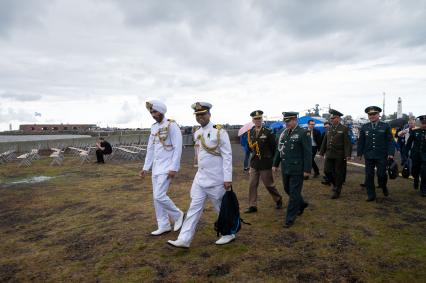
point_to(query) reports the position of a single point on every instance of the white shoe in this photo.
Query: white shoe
(178, 244)
(160, 231)
(225, 239)
(179, 222)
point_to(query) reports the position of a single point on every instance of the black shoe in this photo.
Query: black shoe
(385, 191)
(424, 195)
(416, 185)
(316, 175)
(279, 204)
(302, 208)
(371, 199)
(362, 185)
(335, 195)
(306, 178)
(327, 183)
(288, 224)
(251, 209)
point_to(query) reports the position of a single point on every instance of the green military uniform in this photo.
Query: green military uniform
(375, 144)
(416, 145)
(262, 146)
(336, 146)
(295, 155)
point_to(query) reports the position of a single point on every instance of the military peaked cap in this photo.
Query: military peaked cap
(373, 110)
(335, 112)
(289, 115)
(201, 107)
(256, 114)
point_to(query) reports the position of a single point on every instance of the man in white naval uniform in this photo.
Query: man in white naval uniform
(213, 177)
(163, 156)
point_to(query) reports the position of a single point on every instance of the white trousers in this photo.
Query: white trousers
(199, 196)
(164, 206)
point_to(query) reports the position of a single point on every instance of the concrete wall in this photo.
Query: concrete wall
(114, 140)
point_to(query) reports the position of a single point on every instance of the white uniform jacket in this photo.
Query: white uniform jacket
(162, 158)
(213, 170)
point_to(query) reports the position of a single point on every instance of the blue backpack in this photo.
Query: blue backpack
(229, 221)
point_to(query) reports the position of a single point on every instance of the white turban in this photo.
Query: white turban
(157, 106)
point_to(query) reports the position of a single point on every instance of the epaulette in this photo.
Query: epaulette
(218, 127)
(416, 129)
(171, 120)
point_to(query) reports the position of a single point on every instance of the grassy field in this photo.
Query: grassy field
(91, 223)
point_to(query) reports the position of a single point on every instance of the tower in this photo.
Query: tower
(399, 111)
(384, 104)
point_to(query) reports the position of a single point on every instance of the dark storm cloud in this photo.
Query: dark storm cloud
(20, 96)
(227, 36)
(21, 14)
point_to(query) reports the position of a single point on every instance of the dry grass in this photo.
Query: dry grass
(92, 223)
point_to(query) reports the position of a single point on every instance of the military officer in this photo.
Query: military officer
(213, 177)
(295, 155)
(375, 144)
(416, 145)
(163, 155)
(337, 147)
(262, 146)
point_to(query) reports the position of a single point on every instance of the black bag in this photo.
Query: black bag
(392, 168)
(229, 221)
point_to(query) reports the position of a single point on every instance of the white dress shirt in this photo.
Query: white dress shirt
(214, 170)
(161, 158)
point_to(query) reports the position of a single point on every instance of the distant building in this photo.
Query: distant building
(35, 128)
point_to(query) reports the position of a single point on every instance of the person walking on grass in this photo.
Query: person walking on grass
(262, 145)
(375, 143)
(336, 147)
(295, 156)
(213, 178)
(163, 155)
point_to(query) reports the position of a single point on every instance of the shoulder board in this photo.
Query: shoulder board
(267, 130)
(218, 127)
(171, 120)
(416, 129)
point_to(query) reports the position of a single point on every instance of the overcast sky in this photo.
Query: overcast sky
(98, 61)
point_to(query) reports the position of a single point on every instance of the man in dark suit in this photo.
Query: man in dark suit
(295, 155)
(316, 144)
(262, 146)
(102, 147)
(337, 148)
(416, 146)
(375, 143)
